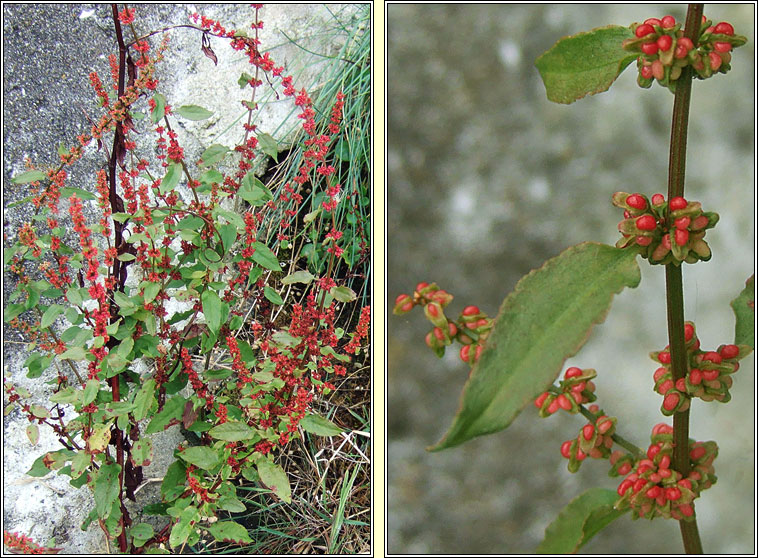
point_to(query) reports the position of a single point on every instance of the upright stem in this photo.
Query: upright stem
(674, 292)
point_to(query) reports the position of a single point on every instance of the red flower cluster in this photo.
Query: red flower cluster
(89, 250)
(22, 543)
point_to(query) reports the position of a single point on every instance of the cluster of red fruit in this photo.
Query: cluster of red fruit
(594, 440)
(664, 233)
(708, 373)
(665, 51)
(470, 330)
(576, 388)
(654, 489)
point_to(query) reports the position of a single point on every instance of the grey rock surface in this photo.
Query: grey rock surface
(48, 52)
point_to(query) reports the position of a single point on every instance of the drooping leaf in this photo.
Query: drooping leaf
(172, 409)
(319, 425)
(298, 277)
(265, 257)
(584, 64)
(212, 310)
(744, 312)
(274, 477)
(159, 110)
(173, 174)
(29, 176)
(545, 320)
(99, 438)
(343, 294)
(214, 154)
(207, 50)
(53, 311)
(272, 296)
(106, 489)
(232, 431)
(142, 452)
(32, 432)
(202, 456)
(229, 531)
(269, 146)
(194, 112)
(579, 521)
(184, 527)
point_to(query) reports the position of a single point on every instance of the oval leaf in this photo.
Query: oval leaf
(232, 431)
(584, 64)
(212, 310)
(579, 521)
(545, 320)
(29, 176)
(202, 456)
(265, 257)
(194, 112)
(229, 531)
(744, 312)
(274, 477)
(272, 296)
(298, 277)
(319, 426)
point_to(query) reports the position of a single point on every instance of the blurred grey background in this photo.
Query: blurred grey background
(487, 180)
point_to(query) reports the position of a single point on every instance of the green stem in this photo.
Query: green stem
(674, 292)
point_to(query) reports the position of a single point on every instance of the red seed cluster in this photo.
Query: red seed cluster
(665, 51)
(594, 440)
(653, 489)
(664, 233)
(576, 389)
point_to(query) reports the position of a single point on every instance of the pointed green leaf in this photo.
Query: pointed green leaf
(32, 432)
(265, 257)
(142, 452)
(29, 176)
(170, 181)
(211, 310)
(79, 464)
(274, 477)
(343, 294)
(298, 277)
(269, 146)
(272, 296)
(194, 112)
(232, 431)
(53, 311)
(106, 489)
(579, 521)
(214, 154)
(202, 456)
(144, 399)
(159, 110)
(172, 409)
(229, 531)
(68, 191)
(319, 425)
(90, 391)
(584, 64)
(744, 312)
(184, 527)
(546, 319)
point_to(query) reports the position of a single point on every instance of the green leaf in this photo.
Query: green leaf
(50, 314)
(29, 176)
(160, 108)
(151, 291)
(579, 521)
(106, 489)
(546, 319)
(343, 294)
(211, 310)
(144, 399)
(586, 63)
(253, 191)
(172, 409)
(319, 425)
(99, 438)
(229, 531)
(214, 154)
(229, 503)
(265, 257)
(173, 481)
(272, 296)
(298, 277)
(141, 533)
(32, 432)
(185, 526)
(79, 464)
(269, 146)
(274, 477)
(194, 112)
(68, 191)
(170, 181)
(232, 431)
(202, 456)
(90, 391)
(142, 452)
(744, 312)
(244, 80)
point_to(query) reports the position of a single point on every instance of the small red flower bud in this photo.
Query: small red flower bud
(677, 202)
(724, 28)
(647, 73)
(681, 237)
(659, 373)
(715, 60)
(421, 286)
(681, 385)
(653, 492)
(625, 485)
(588, 431)
(566, 449)
(657, 199)
(471, 311)
(438, 333)
(452, 329)
(721, 47)
(433, 309)
(687, 510)
(580, 455)
(710, 375)
(696, 376)
(667, 22)
(664, 357)
(729, 351)
(625, 468)
(682, 223)
(665, 386)
(671, 401)
(644, 240)
(673, 493)
(685, 483)
(604, 424)
(713, 357)
(644, 29)
(653, 21)
(663, 465)
(658, 70)
(650, 48)
(464, 352)
(541, 399)
(572, 372)
(700, 222)
(646, 223)
(653, 450)
(636, 201)
(639, 484)
(564, 402)
(697, 453)
(664, 42)
(689, 331)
